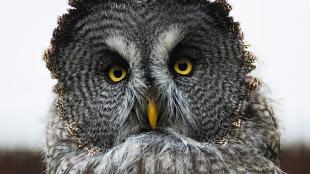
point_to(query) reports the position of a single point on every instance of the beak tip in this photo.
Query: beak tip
(153, 126)
(153, 121)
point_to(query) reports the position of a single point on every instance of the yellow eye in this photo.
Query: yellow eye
(117, 73)
(183, 66)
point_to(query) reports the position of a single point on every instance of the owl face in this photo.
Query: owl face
(125, 68)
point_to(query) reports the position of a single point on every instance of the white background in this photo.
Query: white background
(278, 31)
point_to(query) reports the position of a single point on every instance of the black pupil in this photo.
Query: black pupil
(182, 66)
(118, 73)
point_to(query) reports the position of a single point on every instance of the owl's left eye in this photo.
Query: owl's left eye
(117, 73)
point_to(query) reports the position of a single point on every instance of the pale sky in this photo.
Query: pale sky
(278, 31)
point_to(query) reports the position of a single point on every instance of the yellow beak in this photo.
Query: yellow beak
(152, 113)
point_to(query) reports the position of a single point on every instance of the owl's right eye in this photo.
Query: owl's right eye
(117, 73)
(183, 67)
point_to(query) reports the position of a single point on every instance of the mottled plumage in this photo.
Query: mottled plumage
(213, 120)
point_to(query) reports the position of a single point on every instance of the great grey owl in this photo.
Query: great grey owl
(156, 86)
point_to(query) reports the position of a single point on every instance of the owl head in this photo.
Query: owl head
(126, 67)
